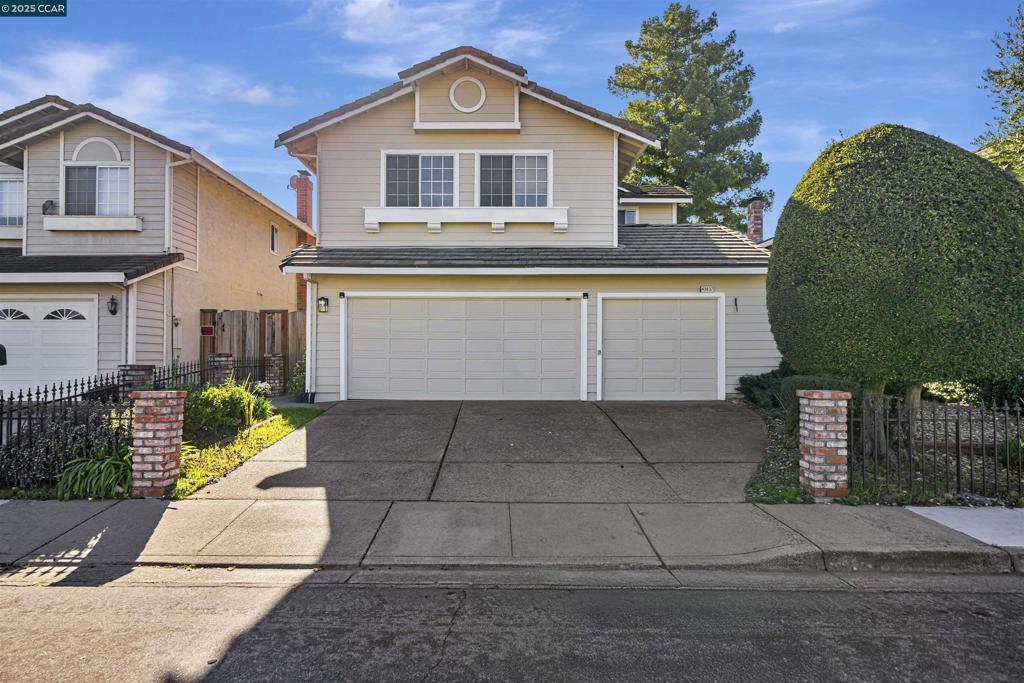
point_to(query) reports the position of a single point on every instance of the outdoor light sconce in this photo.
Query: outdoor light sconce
(321, 304)
(112, 304)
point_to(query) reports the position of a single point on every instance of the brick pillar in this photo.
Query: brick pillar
(755, 220)
(156, 454)
(136, 377)
(824, 437)
(273, 363)
(303, 186)
(220, 367)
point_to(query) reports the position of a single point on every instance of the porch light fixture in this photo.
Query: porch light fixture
(321, 304)
(112, 304)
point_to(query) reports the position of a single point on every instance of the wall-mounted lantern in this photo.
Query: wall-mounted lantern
(321, 304)
(112, 304)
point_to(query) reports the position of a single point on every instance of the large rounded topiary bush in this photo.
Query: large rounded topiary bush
(900, 258)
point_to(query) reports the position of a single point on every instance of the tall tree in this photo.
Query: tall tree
(693, 91)
(1003, 142)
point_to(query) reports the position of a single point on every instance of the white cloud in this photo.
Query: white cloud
(794, 141)
(176, 98)
(399, 33)
(781, 16)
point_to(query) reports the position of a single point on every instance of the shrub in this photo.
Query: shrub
(215, 411)
(764, 390)
(97, 477)
(297, 383)
(1010, 453)
(953, 391)
(65, 433)
(791, 384)
(897, 259)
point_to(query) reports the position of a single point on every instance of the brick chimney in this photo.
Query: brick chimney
(303, 187)
(755, 220)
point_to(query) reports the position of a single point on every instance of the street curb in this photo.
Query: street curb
(981, 560)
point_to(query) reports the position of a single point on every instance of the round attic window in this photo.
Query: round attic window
(467, 94)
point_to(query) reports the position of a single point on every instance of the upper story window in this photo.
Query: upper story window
(11, 202)
(628, 217)
(420, 180)
(96, 180)
(514, 180)
(275, 239)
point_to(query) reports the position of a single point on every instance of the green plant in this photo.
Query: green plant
(297, 382)
(954, 391)
(214, 411)
(897, 260)
(791, 384)
(107, 476)
(1011, 453)
(765, 390)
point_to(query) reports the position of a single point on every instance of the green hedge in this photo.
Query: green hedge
(215, 411)
(898, 260)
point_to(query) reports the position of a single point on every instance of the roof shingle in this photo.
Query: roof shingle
(130, 265)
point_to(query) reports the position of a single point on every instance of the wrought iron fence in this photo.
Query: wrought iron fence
(251, 369)
(179, 374)
(42, 429)
(930, 449)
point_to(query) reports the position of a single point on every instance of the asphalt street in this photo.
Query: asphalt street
(255, 626)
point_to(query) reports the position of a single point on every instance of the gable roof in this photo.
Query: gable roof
(19, 132)
(424, 68)
(44, 103)
(78, 268)
(645, 191)
(652, 248)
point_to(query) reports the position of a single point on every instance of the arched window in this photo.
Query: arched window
(64, 314)
(12, 314)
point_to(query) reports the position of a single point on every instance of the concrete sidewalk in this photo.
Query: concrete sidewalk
(436, 534)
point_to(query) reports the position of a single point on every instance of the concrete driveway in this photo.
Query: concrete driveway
(531, 451)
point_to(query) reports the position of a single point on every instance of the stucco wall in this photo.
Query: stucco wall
(237, 270)
(750, 347)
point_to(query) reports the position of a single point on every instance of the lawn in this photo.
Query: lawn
(202, 466)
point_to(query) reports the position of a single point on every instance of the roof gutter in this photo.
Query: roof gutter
(607, 270)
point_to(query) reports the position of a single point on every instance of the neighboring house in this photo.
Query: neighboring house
(651, 204)
(469, 248)
(115, 238)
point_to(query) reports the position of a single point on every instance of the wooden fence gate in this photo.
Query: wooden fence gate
(251, 334)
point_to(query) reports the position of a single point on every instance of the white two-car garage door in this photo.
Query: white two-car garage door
(661, 348)
(463, 347)
(47, 341)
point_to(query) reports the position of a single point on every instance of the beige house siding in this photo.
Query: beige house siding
(44, 184)
(654, 214)
(110, 346)
(349, 176)
(184, 232)
(750, 347)
(8, 172)
(237, 269)
(499, 102)
(150, 323)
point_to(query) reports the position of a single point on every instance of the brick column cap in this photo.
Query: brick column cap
(827, 394)
(158, 394)
(273, 355)
(220, 355)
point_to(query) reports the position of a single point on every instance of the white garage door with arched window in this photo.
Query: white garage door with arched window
(47, 341)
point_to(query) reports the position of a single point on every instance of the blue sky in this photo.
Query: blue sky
(226, 76)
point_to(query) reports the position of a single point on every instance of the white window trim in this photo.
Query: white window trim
(451, 94)
(550, 154)
(275, 239)
(419, 294)
(384, 153)
(636, 216)
(720, 346)
(108, 143)
(21, 193)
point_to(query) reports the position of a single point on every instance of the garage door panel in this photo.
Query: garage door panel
(47, 352)
(659, 349)
(487, 348)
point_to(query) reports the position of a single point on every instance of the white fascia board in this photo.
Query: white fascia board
(593, 119)
(347, 115)
(152, 273)
(458, 58)
(42, 278)
(677, 200)
(360, 270)
(97, 117)
(420, 294)
(33, 110)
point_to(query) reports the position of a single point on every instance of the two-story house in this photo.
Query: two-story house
(114, 238)
(477, 241)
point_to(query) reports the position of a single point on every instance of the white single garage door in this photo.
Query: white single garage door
(660, 349)
(463, 348)
(48, 341)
